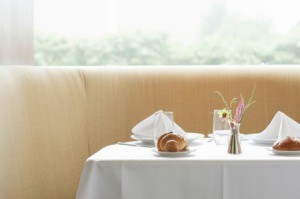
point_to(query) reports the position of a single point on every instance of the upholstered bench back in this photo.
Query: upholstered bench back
(43, 132)
(119, 97)
(53, 118)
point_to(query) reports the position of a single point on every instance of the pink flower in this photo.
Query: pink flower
(239, 111)
(226, 114)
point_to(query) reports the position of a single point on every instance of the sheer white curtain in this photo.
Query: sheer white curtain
(16, 32)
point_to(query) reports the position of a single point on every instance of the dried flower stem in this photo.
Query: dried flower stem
(241, 108)
(223, 99)
(250, 102)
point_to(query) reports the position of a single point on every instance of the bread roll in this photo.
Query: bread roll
(171, 142)
(287, 144)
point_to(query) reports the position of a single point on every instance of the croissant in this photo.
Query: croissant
(287, 144)
(170, 142)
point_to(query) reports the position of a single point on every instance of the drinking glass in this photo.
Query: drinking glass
(221, 129)
(163, 123)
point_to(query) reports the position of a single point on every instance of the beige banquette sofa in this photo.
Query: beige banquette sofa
(53, 118)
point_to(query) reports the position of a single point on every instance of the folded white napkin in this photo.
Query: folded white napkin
(280, 126)
(146, 127)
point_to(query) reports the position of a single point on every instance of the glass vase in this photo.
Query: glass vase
(221, 129)
(234, 146)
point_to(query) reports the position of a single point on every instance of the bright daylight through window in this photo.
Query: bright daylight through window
(166, 32)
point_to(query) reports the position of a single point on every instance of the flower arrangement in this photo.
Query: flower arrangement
(226, 115)
(234, 121)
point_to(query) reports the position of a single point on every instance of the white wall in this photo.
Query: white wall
(16, 32)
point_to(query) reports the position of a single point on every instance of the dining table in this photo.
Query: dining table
(138, 171)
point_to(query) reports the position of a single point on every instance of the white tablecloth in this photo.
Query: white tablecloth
(126, 172)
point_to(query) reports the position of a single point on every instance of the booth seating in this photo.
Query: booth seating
(53, 118)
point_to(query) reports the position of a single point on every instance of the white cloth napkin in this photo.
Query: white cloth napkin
(146, 127)
(280, 126)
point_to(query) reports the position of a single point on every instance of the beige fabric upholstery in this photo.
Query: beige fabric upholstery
(43, 141)
(118, 98)
(52, 119)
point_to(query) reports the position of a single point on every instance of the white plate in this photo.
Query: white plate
(146, 140)
(173, 154)
(190, 138)
(264, 141)
(261, 141)
(277, 152)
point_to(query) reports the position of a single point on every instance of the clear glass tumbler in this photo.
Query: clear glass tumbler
(221, 130)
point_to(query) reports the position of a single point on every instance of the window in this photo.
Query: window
(166, 32)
